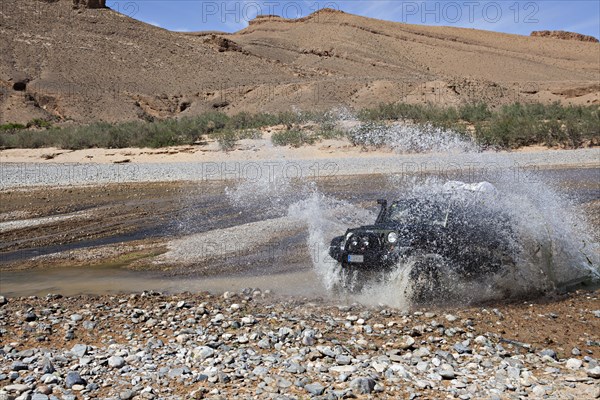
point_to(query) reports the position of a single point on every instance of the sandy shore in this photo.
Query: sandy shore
(246, 150)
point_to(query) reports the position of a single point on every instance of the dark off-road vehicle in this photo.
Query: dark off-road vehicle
(437, 238)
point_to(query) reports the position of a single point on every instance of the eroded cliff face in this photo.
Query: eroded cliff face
(79, 60)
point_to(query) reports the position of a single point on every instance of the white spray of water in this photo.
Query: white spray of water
(325, 217)
(551, 241)
(411, 138)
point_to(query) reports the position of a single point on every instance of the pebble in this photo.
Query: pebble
(30, 316)
(574, 363)
(116, 362)
(203, 347)
(16, 388)
(362, 385)
(203, 352)
(315, 389)
(126, 395)
(406, 342)
(450, 318)
(593, 372)
(19, 366)
(79, 350)
(76, 317)
(72, 379)
(447, 373)
(549, 353)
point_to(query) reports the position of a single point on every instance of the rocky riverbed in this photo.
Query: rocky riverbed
(254, 344)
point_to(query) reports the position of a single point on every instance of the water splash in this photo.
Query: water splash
(410, 138)
(550, 245)
(326, 216)
(550, 242)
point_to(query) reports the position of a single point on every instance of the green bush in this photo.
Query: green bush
(474, 112)
(11, 127)
(293, 137)
(39, 123)
(509, 126)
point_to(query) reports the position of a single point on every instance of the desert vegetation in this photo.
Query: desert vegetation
(507, 127)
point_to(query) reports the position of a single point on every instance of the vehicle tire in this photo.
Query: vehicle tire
(427, 286)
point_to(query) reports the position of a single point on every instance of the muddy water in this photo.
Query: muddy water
(114, 280)
(179, 210)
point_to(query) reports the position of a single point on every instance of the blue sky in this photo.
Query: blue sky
(510, 16)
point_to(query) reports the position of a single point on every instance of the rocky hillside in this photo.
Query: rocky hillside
(78, 60)
(565, 36)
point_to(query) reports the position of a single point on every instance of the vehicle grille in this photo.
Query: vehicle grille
(363, 242)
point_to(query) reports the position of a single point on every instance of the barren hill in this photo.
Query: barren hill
(66, 62)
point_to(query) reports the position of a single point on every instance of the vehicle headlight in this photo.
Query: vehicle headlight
(392, 237)
(343, 243)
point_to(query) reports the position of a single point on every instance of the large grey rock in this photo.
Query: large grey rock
(406, 342)
(363, 385)
(326, 351)
(549, 352)
(594, 372)
(16, 388)
(461, 348)
(447, 374)
(116, 362)
(76, 317)
(315, 389)
(343, 360)
(574, 363)
(126, 395)
(47, 366)
(73, 378)
(79, 350)
(19, 366)
(30, 316)
(203, 352)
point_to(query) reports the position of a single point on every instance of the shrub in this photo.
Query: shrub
(293, 137)
(39, 123)
(11, 127)
(510, 126)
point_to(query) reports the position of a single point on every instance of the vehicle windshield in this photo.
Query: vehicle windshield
(412, 212)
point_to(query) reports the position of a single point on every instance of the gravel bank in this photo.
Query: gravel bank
(459, 166)
(254, 345)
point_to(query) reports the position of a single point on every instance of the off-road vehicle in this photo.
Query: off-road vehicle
(439, 237)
